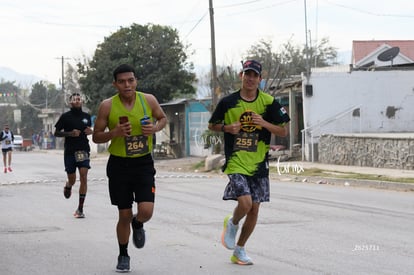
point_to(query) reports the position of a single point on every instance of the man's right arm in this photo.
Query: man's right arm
(62, 134)
(101, 123)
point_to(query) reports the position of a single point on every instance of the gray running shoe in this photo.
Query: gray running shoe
(123, 264)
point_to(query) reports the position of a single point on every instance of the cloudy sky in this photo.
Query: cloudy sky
(35, 34)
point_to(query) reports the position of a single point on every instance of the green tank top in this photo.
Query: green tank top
(137, 145)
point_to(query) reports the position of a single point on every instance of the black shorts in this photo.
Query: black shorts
(131, 179)
(5, 150)
(71, 164)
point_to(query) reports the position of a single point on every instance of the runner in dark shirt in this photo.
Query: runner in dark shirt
(75, 126)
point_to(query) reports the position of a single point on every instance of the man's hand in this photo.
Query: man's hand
(88, 131)
(148, 129)
(233, 128)
(75, 133)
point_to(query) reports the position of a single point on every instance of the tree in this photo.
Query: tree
(290, 61)
(15, 98)
(271, 62)
(278, 66)
(323, 55)
(228, 79)
(156, 53)
(45, 96)
(9, 92)
(71, 81)
(9, 99)
(31, 123)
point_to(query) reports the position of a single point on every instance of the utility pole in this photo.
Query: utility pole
(63, 81)
(213, 58)
(306, 45)
(63, 84)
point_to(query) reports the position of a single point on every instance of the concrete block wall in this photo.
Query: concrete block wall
(370, 150)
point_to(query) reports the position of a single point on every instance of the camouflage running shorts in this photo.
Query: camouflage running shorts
(240, 185)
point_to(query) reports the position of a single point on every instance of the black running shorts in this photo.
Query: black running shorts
(131, 179)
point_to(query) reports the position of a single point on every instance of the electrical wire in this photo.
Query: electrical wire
(369, 12)
(195, 26)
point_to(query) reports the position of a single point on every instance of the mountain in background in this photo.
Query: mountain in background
(21, 80)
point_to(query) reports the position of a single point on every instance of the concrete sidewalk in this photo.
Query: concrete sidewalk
(392, 173)
(291, 170)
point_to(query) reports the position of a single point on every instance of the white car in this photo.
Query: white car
(18, 142)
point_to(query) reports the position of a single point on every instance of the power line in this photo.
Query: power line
(369, 12)
(198, 22)
(190, 13)
(238, 4)
(243, 12)
(258, 9)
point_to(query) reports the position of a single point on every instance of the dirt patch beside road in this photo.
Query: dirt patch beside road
(190, 164)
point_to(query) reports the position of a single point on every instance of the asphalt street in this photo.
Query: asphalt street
(305, 229)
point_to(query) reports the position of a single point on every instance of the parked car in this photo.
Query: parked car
(18, 142)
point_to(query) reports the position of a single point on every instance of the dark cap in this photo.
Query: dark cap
(252, 65)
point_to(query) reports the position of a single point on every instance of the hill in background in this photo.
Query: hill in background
(21, 80)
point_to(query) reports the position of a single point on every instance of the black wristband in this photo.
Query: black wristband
(222, 128)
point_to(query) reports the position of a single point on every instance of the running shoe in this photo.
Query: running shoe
(78, 214)
(67, 191)
(10, 170)
(123, 264)
(228, 236)
(5, 170)
(138, 234)
(240, 257)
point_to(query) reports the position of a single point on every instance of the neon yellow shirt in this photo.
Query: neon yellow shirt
(120, 145)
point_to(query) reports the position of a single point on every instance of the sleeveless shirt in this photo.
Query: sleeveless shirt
(118, 146)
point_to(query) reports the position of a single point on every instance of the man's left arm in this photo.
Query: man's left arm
(157, 113)
(88, 129)
(281, 130)
(276, 120)
(73, 133)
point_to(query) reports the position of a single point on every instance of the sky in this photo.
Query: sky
(36, 34)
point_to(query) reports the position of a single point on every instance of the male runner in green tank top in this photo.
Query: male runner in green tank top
(248, 118)
(132, 119)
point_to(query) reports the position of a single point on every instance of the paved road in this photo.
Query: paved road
(305, 229)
